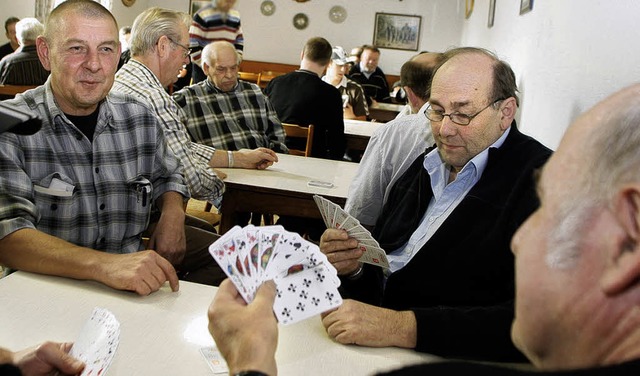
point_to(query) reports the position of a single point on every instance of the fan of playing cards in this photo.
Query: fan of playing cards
(306, 283)
(336, 217)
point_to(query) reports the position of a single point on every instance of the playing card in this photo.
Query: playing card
(336, 217)
(215, 360)
(305, 294)
(97, 342)
(251, 255)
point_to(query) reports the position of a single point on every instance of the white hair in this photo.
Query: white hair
(28, 30)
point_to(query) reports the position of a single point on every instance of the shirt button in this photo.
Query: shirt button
(101, 241)
(54, 206)
(431, 219)
(97, 170)
(101, 206)
(79, 137)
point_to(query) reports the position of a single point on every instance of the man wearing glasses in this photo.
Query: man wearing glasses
(159, 50)
(446, 225)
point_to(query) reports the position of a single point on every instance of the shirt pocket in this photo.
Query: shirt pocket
(54, 198)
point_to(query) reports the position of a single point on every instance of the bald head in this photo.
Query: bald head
(56, 22)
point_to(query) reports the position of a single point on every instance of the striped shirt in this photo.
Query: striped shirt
(233, 120)
(136, 79)
(23, 67)
(210, 25)
(89, 193)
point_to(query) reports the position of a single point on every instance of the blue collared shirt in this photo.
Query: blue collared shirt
(446, 197)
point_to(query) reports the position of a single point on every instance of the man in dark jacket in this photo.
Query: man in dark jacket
(447, 224)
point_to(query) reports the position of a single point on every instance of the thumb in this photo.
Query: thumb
(266, 295)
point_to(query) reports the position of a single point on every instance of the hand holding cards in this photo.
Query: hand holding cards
(97, 343)
(335, 217)
(306, 283)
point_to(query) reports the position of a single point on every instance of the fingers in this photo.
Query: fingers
(54, 354)
(169, 274)
(265, 296)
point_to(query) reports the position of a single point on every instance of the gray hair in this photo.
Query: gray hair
(210, 52)
(152, 24)
(612, 161)
(28, 30)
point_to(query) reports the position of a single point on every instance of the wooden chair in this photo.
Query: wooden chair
(266, 76)
(249, 77)
(296, 131)
(10, 91)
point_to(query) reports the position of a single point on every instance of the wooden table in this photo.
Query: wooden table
(358, 133)
(161, 334)
(283, 188)
(384, 112)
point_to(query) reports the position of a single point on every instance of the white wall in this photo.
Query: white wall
(567, 54)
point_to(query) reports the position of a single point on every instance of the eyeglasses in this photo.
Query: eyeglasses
(456, 117)
(187, 50)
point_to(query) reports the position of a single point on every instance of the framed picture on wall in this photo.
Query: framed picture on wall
(397, 31)
(195, 5)
(525, 6)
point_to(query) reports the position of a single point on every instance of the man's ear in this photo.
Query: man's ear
(42, 47)
(623, 264)
(163, 45)
(508, 109)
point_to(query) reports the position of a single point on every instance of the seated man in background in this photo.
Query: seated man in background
(159, 49)
(10, 33)
(302, 98)
(394, 146)
(369, 75)
(446, 225)
(75, 198)
(355, 105)
(226, 113)
(23, 66)
(577, 261)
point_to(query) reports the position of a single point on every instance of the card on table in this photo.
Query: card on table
(306, 283)
(336, 217)
(97, 343)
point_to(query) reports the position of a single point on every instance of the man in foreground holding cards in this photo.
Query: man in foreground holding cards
(45, 359)
(446, 225)
(75, 198)
(577, 261)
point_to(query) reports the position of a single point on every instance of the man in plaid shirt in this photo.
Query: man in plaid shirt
(226, 113)
(76, 197)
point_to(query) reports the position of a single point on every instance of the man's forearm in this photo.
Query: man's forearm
(221, 159)
(35, 251)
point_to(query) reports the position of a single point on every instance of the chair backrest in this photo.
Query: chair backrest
(296, 131)
(10, 91)
(266, 76)
(249, 77)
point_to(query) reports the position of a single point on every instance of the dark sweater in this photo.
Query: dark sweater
(460, 285)
(302, 98)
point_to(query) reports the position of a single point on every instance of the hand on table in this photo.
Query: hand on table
(259, 158)
(366, 325)
(246, 334)
(143, 272)
(47, 359)
(341, 250)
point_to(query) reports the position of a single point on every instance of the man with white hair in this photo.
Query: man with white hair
(226, 113)
(23, 66)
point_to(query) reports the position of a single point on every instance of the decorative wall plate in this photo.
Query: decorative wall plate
(337, 14)
(267, 7)
(300, 21)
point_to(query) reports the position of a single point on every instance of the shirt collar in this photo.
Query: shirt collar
(342, 83)
(216, 89)
(433, 162)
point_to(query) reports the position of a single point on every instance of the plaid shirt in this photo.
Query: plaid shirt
(103, 206)
(136, 79)
(241, 118)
